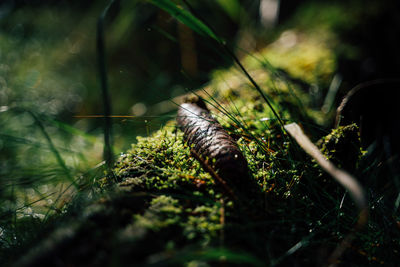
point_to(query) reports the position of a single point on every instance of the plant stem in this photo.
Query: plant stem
(108, 151)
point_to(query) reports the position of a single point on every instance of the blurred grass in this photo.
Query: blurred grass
(48, 74)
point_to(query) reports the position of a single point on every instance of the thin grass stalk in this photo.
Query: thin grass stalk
(53, 149)
(237, 61)
(108, 151)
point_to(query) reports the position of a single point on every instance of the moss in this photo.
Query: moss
(305, 57)
(198, 222)
(188, 208)
(343, 146)
(165, 204)
(163, 211)
(161, 162)
(293, 77)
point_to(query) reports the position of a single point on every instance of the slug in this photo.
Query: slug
(211, 142)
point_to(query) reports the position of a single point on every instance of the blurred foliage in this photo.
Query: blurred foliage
(49, 74)
(49, 82)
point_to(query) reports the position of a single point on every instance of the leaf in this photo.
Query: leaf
(231, 7)
(185, 17)
(72, 130)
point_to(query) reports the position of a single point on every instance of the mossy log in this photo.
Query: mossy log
(159, 206)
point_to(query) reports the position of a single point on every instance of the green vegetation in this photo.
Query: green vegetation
(157, 205)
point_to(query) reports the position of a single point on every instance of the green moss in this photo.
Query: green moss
(197, 223)
(310, 60)
(161, 162)
(162, 205)
(163, 212)
(165, 203)
(342, 146)
(188, 204)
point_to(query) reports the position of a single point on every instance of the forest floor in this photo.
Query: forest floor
(160, 204)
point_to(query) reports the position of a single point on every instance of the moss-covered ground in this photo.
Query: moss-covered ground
(158, 206)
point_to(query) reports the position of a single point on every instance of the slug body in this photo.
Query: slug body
(211, 142)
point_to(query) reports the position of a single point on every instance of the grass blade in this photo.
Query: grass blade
(232, 55)
(108, 151)
(59, 159)
(185, 17)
